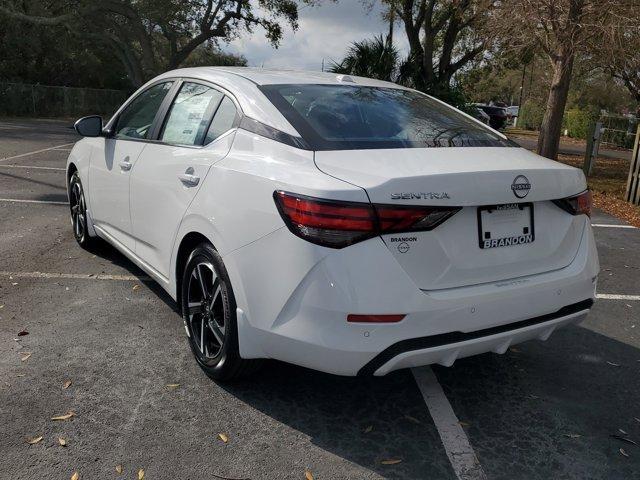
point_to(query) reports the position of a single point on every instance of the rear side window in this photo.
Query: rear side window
(343, 117)
(189, 115)
(223, 121)
(136, 119)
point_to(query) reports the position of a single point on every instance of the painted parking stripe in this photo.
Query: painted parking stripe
(75, 276)
(34, 152)
(17, 200)
(456, 444)
(606, 225)
(610, 296)
(31, 167)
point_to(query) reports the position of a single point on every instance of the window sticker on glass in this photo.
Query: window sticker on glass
(190, 113)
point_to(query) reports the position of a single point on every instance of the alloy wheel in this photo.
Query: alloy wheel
(78, 210)
(205, 310)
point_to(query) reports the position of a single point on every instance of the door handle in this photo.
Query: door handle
(125, 166)
(189, 179)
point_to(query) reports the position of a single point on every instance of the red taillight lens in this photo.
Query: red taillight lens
(337, 224)
(326, 222)
(578, 205)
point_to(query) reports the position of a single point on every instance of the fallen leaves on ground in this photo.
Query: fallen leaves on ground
(391, 461)
(368, 429)
(66, 416)
(572, 435)
(140, 474)
(623, 439)
(66, 384)
(62, 442)
(412, 419)
(35, 440)
(25, 356)
(308, 475)
(464, 424)
(173, 385)
(119, 469)
(22, 333)
(136, 287)
(75, 476)
(223, 437)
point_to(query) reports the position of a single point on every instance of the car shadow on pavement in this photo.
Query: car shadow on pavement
(363, 420)
(548, 409)
(109, 253)
(543, 410)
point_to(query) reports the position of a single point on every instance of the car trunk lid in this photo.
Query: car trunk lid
(454, 253)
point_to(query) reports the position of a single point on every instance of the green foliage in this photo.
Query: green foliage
(531, 115)
(579, 122)
(210, 56)
(375, 58)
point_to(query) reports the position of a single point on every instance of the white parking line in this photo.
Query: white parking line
(456, 444)
(31, 167)
(611, 296)
(16, 200)
(75, 276)
(34, 152)
(606, 225)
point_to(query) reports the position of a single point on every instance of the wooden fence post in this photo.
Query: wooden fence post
(633, 182)
(593, 145)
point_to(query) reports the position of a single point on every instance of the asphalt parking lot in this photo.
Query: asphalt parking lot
(556, 409)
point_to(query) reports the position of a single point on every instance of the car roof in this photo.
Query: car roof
(265, 76)
(243, 84)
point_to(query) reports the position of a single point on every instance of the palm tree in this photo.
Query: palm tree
(375, 58)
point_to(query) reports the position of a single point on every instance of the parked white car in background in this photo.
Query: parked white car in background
(344, 224)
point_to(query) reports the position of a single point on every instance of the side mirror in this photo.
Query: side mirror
(89, 126)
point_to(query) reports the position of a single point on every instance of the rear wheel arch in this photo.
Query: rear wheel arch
(190, 241)
(71, 169)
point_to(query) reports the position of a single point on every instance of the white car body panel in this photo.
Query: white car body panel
(109, 191)
(293, 296)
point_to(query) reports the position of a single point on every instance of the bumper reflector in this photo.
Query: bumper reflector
(374, 318)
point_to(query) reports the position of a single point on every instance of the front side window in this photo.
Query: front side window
(136, 119)
(344, 117)
(190, 114)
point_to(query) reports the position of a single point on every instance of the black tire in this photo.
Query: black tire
(209, 314)
(78, 210)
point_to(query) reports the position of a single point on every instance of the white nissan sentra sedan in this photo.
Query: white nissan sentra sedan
(344, 224)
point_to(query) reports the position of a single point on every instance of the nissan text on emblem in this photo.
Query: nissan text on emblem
(521, 186)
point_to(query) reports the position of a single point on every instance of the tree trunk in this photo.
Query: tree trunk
(549, 139)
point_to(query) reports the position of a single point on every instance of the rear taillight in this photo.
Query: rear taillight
(577, 205)
(337, 224)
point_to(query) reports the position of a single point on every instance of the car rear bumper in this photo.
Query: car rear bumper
(293, 307)
(445, 349)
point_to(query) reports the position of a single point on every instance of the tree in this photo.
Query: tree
(443, 39)
(376, 58)
(619, 52)
(150, 36)
(562, 30)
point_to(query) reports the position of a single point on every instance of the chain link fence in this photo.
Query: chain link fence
(21, 99)
(618, 131)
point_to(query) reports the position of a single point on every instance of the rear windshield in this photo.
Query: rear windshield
(345, 117)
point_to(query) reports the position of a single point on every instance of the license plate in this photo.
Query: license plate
(505, 225)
